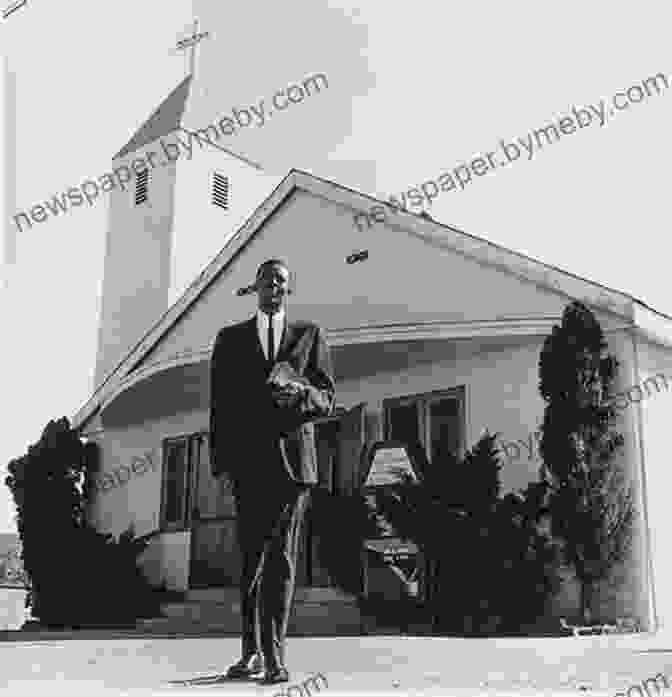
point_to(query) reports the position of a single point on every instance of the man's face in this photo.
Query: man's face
(272, 285)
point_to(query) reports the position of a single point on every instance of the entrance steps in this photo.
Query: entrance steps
(316, 612)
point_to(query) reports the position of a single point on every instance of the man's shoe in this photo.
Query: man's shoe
(246, 669)
(272, 677)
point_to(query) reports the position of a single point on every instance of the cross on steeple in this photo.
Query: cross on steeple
(13, 8)
(191, 42)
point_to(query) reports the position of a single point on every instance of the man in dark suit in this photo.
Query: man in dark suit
(263, 439)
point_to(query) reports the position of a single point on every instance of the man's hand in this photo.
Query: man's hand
(288, 395)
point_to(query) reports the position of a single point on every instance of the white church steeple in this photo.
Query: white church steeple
(136, 277)
(172, 218)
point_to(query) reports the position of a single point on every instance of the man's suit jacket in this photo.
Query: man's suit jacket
(254, 441)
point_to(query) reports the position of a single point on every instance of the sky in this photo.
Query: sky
(414, 91)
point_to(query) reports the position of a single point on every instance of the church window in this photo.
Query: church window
(220, 191)
(434, 421)
(175, 483)
(141, 183)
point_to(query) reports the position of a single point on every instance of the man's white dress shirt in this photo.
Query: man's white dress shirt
(262, 330)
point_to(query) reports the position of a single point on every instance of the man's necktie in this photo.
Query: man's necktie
(271, 342)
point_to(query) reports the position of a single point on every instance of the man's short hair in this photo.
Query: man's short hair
(272, 262)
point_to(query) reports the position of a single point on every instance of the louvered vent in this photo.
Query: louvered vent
(141, 183)
(220, 191)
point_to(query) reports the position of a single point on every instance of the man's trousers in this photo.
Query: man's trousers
(269, 528)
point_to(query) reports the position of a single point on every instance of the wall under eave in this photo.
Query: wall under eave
(655, 407)
(500, 378)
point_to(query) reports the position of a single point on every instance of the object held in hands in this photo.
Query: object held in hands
(283, 376)
(286, 384)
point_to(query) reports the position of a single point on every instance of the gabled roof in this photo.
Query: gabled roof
(165, 120)
(548, 277)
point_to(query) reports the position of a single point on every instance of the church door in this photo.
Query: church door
(339, 440)
(215, 558)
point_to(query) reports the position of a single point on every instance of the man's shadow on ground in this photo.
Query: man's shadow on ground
(212, 680)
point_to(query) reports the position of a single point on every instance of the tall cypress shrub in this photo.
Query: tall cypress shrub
(590, 500)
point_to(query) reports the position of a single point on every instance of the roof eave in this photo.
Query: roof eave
(432, 232)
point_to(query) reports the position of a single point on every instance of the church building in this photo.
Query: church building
(435, 336)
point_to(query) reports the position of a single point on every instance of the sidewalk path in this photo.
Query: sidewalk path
(353, 666)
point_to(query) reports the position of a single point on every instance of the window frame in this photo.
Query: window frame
(423, 402)
(191, 442)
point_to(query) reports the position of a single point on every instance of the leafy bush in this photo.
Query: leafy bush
(493, 569)
(526, 558)
(77, 575)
